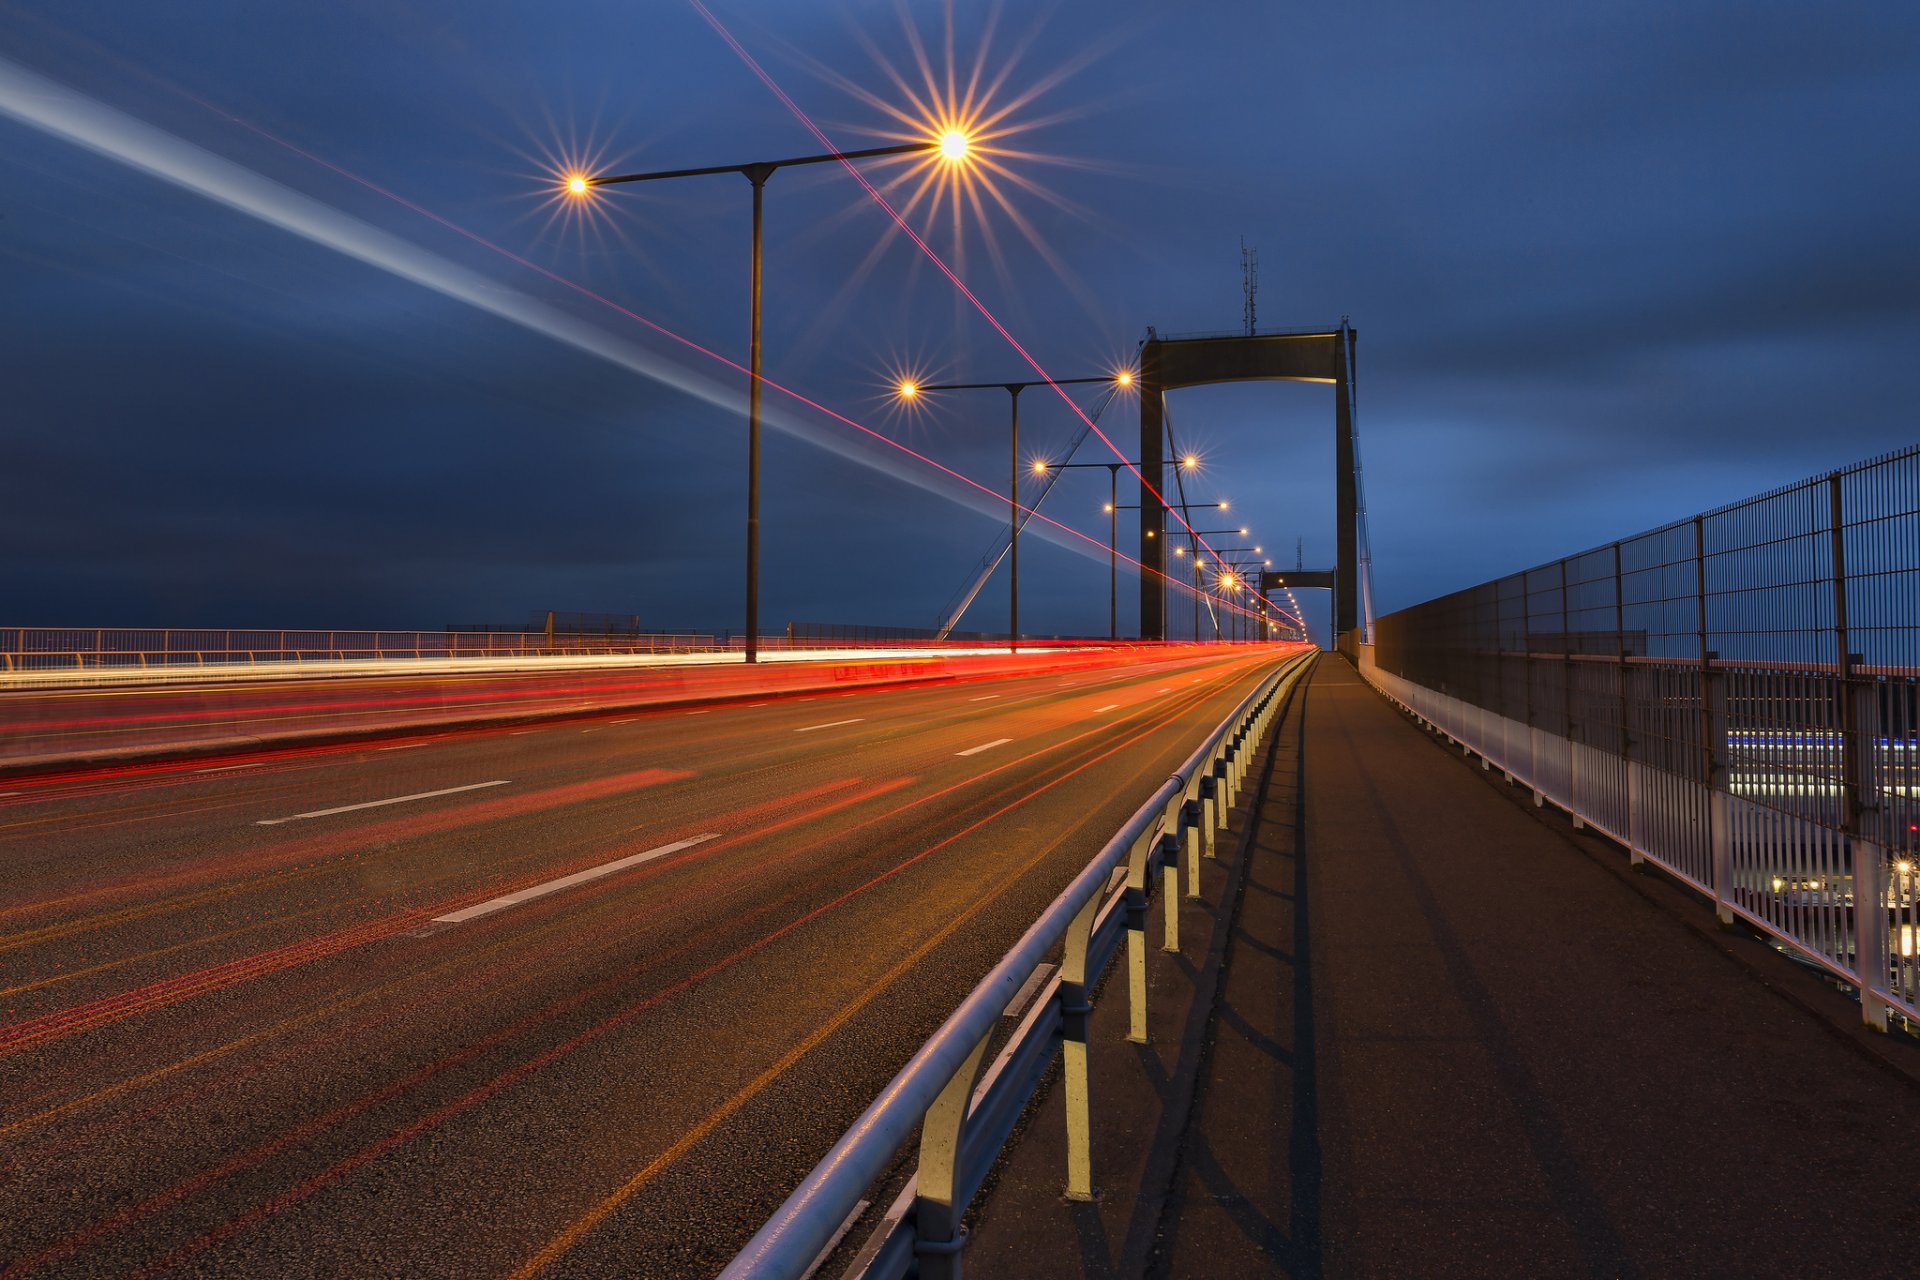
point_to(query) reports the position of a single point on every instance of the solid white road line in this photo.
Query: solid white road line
(501, 903)
(704, 711)
(985, 746)
(405, 746)
(376, 804)
(752, 705)
(983, 697)
(629, 720)
(517, 732)
(831, 724)
(1111, 706)
(1166, 690)
(219, 768)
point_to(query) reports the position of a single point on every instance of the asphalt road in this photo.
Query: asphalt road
(577, 1000)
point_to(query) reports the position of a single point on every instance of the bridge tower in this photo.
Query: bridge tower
(1167, 364)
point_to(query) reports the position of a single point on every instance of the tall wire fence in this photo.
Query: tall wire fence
(1731, 696)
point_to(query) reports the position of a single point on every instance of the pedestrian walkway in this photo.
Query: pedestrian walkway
(1453, 1037)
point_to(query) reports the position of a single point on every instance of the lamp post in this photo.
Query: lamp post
(1197, 581)
(1188, 462)
(1241, 575)
(1244, 574)
(913, 390)
(952, 146)
(1114, 508)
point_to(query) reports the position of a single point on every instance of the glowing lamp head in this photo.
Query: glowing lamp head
(1039, 466)
(1190, 462)
(1223, 504)
(1124, 378)
(1107, 507)
(908, 390)
(577, 184)
(954, 145)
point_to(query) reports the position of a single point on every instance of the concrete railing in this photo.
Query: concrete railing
(965, 1116)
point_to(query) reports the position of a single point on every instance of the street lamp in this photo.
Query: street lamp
(1199, 568)
(1114, 508)
(954, 148)
(909, 390)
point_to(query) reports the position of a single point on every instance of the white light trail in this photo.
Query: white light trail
(67, 114)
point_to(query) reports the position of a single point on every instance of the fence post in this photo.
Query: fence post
(1858, 708)
(939, 1235)
(1713, 745)
(1566, 700)
(1073, 1050)
(1635, 853)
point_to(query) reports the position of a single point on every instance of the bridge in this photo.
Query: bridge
(1219, 921)
(1564, 923)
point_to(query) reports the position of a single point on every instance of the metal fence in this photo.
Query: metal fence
(963, 1116)
(1731, 696)
(106, 648)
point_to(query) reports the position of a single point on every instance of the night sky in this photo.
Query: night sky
(1610, 264)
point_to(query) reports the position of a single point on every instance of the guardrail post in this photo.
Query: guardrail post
(1169, 849)
(1208, 805)
(1073, 1050)
(939, 1235)
(1136, 906)
(1190, 838)
(1220, 797)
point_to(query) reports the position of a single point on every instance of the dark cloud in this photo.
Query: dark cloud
(1610, 264)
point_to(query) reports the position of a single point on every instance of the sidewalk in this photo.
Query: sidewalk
(1452, 1037)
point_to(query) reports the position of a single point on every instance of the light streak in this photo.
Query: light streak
(65, 113)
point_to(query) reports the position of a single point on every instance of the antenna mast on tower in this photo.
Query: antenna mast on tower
(1249, 281)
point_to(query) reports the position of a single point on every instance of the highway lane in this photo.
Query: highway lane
(240, 1041)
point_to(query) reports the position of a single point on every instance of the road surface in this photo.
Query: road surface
(584, 999)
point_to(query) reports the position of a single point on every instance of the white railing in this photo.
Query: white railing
(1761, 838)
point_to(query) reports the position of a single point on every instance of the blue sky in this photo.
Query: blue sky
(1610, 265)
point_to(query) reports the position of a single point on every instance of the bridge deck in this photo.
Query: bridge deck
(1453, 1037)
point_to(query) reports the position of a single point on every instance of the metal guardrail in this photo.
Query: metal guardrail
(63, 649)
(135, 648)
(964, 1117)
(1734, 697)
